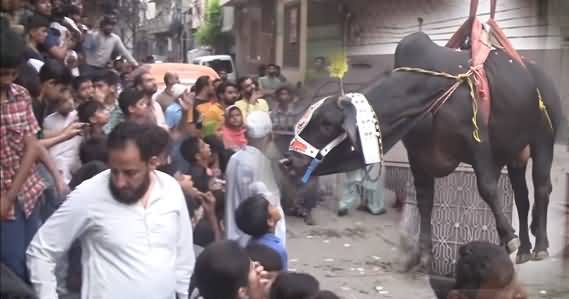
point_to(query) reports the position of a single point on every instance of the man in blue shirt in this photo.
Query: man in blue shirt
(256, 217)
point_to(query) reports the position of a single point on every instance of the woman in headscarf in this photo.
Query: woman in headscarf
(233, 131)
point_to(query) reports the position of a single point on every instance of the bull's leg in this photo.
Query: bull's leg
(424, 186)
(542, 156)
(519, 185)
(487, 174)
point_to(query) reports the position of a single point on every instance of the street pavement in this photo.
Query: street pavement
(357, 256)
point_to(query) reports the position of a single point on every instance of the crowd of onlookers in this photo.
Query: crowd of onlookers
(84, 131)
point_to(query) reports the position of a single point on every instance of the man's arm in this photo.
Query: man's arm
(185, 257)
(53, 137)
(44, 157)
(53, 239)
(26, 165)
(159, 114)
(126, 53)
(51, 45)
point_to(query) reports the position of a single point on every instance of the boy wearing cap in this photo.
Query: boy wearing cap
(249, 173)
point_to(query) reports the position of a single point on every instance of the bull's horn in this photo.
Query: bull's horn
(343, 100)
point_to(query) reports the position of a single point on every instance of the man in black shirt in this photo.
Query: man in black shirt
(198, 153)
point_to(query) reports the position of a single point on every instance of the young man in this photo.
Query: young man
(485, 271)
(227, 93)
(249, 172)
(83, 89)
(198, 154)
(55, 83)
(20, 182)
(223, 270)
(147, 84)
(105, 86)
(95, 115)
(203, 89)
(256, 217)
(166, 97)
(36, 33)
(271, 82)
(250, 98)
(134, 106)
(99, 46)
(66, 153)
(52, 47)
(133, 223)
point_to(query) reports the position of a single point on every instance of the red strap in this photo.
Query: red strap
(493, 8)
(473, 7)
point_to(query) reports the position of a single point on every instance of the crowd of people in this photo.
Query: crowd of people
(114, 189)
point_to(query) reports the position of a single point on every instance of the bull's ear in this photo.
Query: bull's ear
(350, 125)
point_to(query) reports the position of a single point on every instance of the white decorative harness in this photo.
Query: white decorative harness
(368, 129)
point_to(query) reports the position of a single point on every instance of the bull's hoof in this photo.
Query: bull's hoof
(522, 258)
(513, 245)
(540, 255)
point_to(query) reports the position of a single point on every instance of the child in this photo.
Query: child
(292, 285)
(135, 105)
(267, 257)
(95, 115)
(484, 270)
(223, 270)
(256, 217)
(93, 149)
(66, 153)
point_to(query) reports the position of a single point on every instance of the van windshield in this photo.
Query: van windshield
(219, 65)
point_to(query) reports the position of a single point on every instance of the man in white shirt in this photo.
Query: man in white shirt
(133, 223)
(248, 173)
(146, 83)
(66, 153)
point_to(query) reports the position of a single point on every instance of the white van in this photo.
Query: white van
(219, 62)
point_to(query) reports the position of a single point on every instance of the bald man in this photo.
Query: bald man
(166, 96)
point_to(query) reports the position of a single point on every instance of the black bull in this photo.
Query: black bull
(437, 143)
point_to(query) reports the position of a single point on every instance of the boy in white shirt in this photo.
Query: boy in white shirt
(66, 153)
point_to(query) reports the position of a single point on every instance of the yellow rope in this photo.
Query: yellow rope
(460, 77)
(543, 108)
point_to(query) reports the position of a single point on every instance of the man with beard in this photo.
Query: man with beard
(250, 98)
(100, 45)
(227, 93)
(133, 223)
(147, 84)
(272, 81)
(166, 96)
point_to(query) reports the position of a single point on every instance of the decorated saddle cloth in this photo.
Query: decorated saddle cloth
(481, 38)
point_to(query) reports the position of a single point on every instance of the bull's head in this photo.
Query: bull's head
(328, 133)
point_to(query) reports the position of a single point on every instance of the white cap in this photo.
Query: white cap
(259, 124)
(178, 90)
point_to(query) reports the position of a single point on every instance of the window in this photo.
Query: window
(291, 45)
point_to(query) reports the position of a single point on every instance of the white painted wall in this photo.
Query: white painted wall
(384, 23)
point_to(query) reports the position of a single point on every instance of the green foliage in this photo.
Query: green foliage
(209, 33)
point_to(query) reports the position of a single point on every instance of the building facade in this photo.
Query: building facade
(253, 26)
(168, 29)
